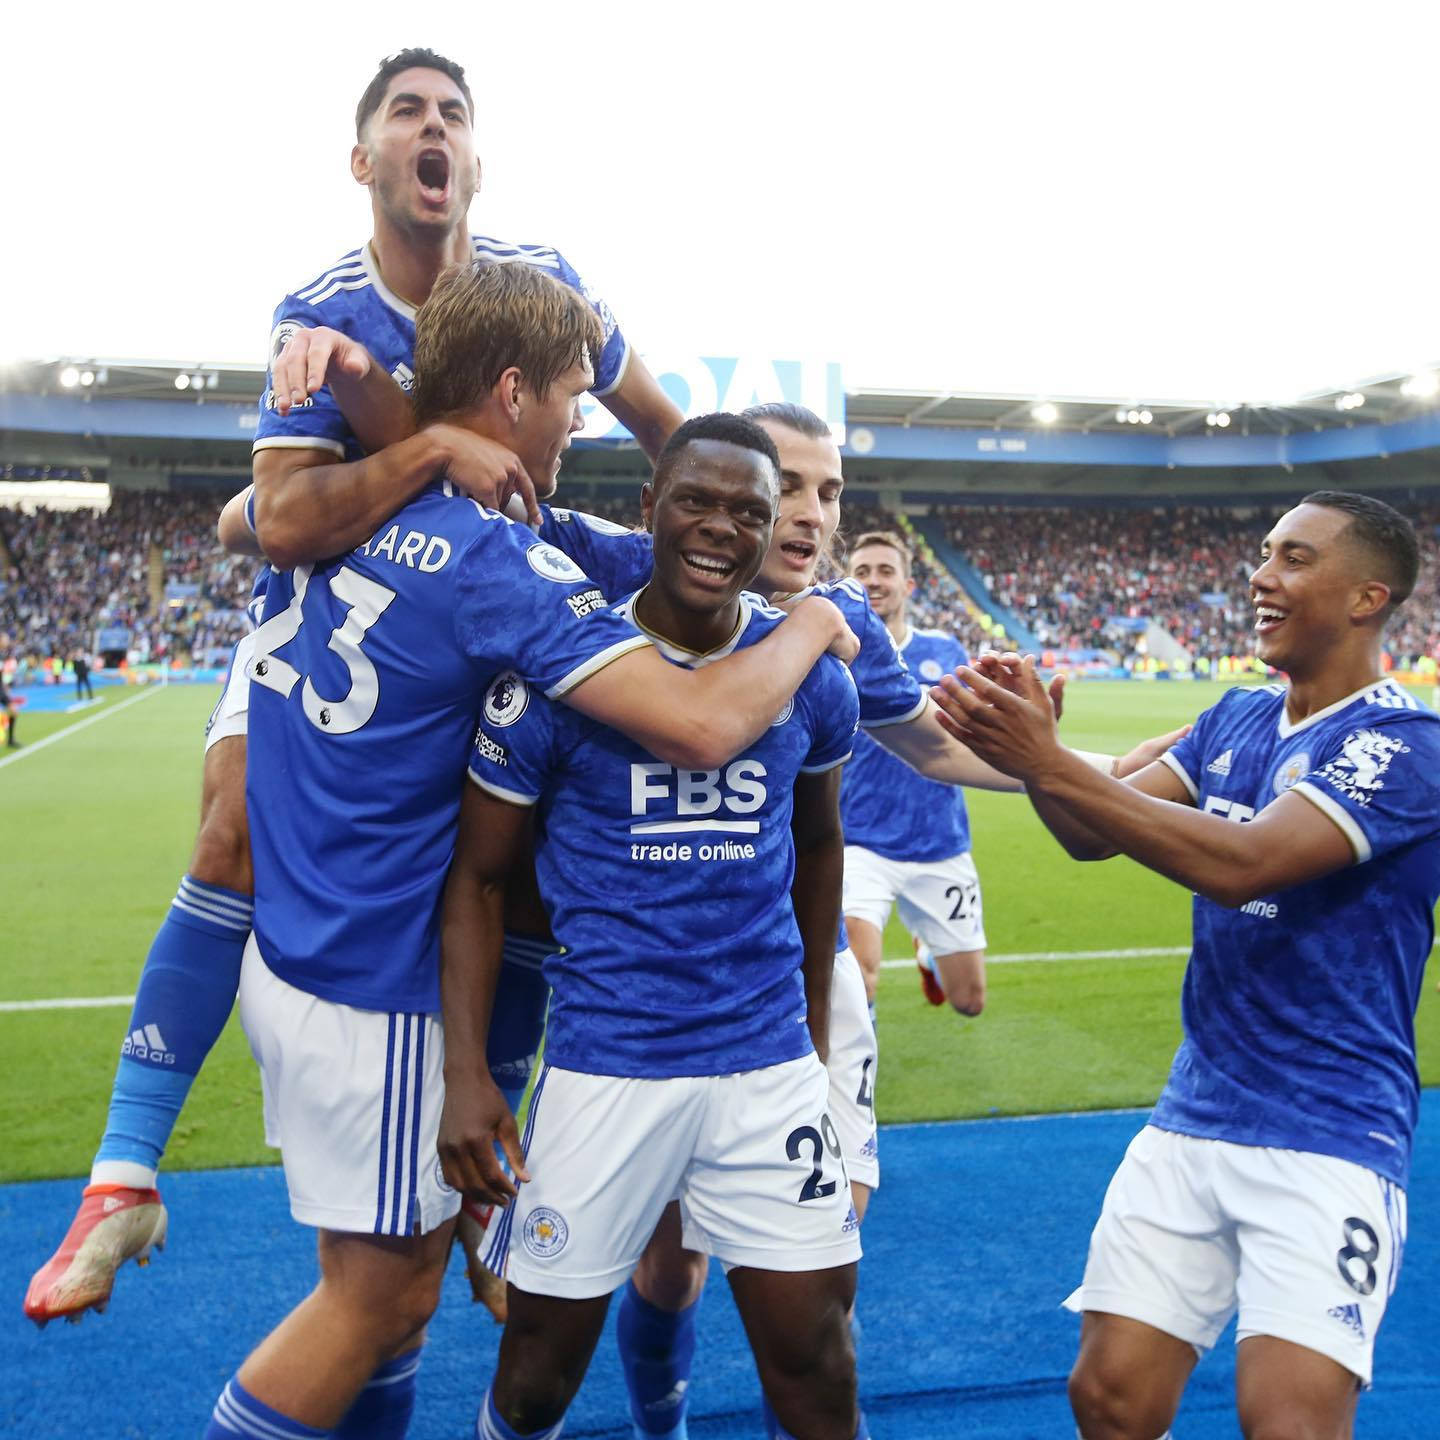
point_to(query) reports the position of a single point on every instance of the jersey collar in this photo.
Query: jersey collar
(677, 654)
(1287, 728)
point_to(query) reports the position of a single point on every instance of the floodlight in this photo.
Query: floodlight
(69, 377)
(1133, 416)
(1422, 386)
(87, 377)
(1146, 417)
(182, 382)
(1119, 417)
(1222, 419)
(1045, 413)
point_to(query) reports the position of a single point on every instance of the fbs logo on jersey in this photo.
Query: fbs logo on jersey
(1291, 772)
(545, 1232)
(1358, 771)
(553, 564)
(506, 699)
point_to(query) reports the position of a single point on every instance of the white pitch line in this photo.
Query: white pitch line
(89, 1002)
(26, 751)
(84, 704)
(1143, 953)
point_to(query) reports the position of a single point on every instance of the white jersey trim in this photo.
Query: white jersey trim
(821, 769)
(298, 442)
(1287, 729)
(1332, 808)
(619, 379)
(372, 269)
(501, 793)
(904, 719)
(1168, 759)
(594, 665)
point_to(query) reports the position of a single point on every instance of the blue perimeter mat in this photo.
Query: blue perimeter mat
(978, 1232)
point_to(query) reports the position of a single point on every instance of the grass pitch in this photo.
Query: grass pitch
(99, 824)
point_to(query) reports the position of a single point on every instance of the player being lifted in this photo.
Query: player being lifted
(368, 673)
(907, 839)
(1306, 819)
(317, 493)
(677, 1058)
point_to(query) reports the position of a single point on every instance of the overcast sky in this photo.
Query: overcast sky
(1217, 202)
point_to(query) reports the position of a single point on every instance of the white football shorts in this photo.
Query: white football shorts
(851, 1067)
(753, 1159)
(1306, 1247)
(938, 900)
(352, 1100)
(231, 715)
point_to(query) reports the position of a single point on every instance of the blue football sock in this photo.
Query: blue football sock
(382, 1410)
(517, 1020)
(657, 1352)
(237, 1412)
(186, 992)
(491, 1425)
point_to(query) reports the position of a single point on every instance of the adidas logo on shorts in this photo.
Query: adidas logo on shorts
(1349, 1317)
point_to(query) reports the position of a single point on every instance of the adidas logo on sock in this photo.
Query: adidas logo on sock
(1221, 764)
(148, 1044)
(1349, 1317)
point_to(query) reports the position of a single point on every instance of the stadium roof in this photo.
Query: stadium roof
(1383, 399)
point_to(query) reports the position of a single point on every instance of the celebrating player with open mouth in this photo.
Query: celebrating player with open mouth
(678, 1059)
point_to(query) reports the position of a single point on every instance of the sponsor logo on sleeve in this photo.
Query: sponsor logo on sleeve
(1358, 771)
(506, 699)
(553, 564)
(489, 750)
(587, 602)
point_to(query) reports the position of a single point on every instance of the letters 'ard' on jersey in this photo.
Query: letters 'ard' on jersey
(351, 297)
(367, 678)
(890, 808)
(670, 889)
(1298, 1007)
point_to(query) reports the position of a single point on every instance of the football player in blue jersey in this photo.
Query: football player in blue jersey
(368, 672)
(678, 1060)
(317, 492)
(907, 839)
(1305, 817)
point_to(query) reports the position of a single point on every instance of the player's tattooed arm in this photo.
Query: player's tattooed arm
(815, 892)
(1289, 842)
(492, 839)
(643, 408)
(699, 719)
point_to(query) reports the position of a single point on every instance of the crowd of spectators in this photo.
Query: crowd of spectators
(147, 564)
(1078, 577)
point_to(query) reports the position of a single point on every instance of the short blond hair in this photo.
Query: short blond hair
(483, 318)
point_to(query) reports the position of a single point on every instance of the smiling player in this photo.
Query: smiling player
(1306, 819)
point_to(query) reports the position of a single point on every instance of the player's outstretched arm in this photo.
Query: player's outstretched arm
(643, 408)
(475, 1116)
(924, 745)
(699, 719)
(1291, 841)
(815, 892)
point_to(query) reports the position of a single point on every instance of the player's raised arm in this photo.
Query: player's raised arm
(1289, 842)
(491, 839)
(643, 408)
(701, 718)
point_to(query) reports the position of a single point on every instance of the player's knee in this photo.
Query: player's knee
(671, 1279)
(534, 1383)
(222, 848)
(1108, 1405)
(966, 994)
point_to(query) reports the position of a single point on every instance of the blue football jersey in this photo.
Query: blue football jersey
(890, 808)
(889, 693)
(367, 679)
(617, 559)
(670, 890)
(351, 297)
(1298, 1008)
